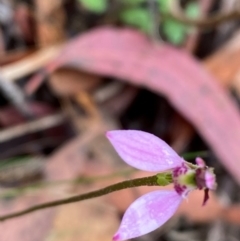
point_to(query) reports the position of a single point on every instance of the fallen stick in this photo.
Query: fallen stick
(30, 64)
(30, 127)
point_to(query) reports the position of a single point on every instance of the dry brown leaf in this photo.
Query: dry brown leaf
(232, 214)
(50, 20)
(70, 161)
(88, 221)
(27, 228)
(224, 64)
(24, 19)
(181, 133)
(192, 207)
(69, 81)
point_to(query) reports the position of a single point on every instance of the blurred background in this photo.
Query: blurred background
(72, 69)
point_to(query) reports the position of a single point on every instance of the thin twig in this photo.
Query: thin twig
(31, 63)
(30, 127)
(155, 19)
(17, 97)
(208, 22)
(145, 181)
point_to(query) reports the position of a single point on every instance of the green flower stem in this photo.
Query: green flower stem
(145, 181)
(14, 192)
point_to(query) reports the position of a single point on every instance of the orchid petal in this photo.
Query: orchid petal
(143, 150)
(147, 213)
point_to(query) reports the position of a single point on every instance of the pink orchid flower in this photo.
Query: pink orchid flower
(149, 153)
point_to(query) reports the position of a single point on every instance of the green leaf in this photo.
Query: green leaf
(164, 5)
(193, 155)
(174, 31)
(164, 179)
(97, 6)
(133, 2)
(193, 10)
(137, 17)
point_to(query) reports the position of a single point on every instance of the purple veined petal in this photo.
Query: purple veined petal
(147, 213)
(143, 150)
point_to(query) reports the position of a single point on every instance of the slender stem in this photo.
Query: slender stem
(145, 181)
(155, 20)
(208, 22)
(13, 192)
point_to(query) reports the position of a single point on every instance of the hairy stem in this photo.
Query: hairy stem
(145, 181)
(13, 192)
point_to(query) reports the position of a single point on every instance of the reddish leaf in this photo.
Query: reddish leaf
(129, 55)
